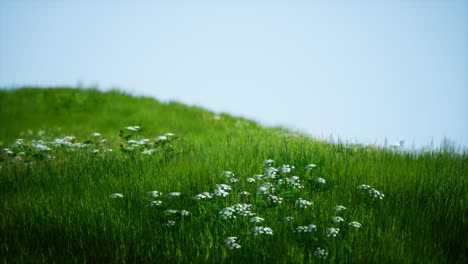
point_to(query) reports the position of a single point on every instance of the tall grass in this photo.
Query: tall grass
(59, 209)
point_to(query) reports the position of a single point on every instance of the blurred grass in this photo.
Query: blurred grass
(60, 211)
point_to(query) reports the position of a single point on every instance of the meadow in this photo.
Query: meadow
(104, 177)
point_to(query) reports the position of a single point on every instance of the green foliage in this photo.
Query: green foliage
(56, 205)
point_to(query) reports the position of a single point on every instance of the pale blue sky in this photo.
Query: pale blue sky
(362, 70)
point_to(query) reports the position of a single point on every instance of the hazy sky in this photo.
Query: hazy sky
(361, 70)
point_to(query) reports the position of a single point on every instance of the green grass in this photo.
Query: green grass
(58, 208)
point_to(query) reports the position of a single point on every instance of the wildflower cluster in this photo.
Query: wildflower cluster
(373, 193)
(231, 243)
(261, 230)
(237, 209)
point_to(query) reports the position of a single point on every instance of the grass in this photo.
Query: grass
(56, 206)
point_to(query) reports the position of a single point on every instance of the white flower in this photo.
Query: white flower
(171, 211)
(243, 209)
(228, 174)
(224, 187)
(288, 219)
(202, 196)
(233, 180)
(339, 208)
(270, 173)
(354, 224)
(155, 203)
(40, 147)
(95, 134)
(321, 180)
(274, 199)
(268, 162)
(228, 213)
(259, 176)
(220, 192)
(376, 194)
(245, 193)
(265, 188)
(286, 168)
(310, 166)
(133, 128)
(170, 223)
(301, 203)
(231, 243)
(17, 143)
(169, 134)
(256, 219)
(148, 151)
(173, 194)
(250, 180)
(332, 231)
(95, 151)
(161, 138)
(337, 219)
(261, 230)
(305, 229)
(320, 253)
(116, 195)
(363, 187)
(184, 213)
(155, 194)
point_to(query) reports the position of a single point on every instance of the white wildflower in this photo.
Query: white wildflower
(203, 196)
(231, 243)
(116, 195)
(355, 224)
(95, 151)
(310, 166)
(148, 151)
(332, 231)
(220, 192)
(95, 134)
(173, 194)
(268, 162)
(337, 219)
(18, 142)
(155, 203)
(169, 134)
(245, 193)
(224, 187)
(161, 138)
(305, 229)
(250, 180)
(228, 174)
(170, 223)
(363, 187)
(288, 219)
(243, 209)
(270, 173)
(320, 253)
(256, 219)
(233, 180)
(171, 212)
(259, 176)
(40, 147)
(321, 180)
(133, 128)
(376, 194)
(274, 199)
(228, 213)
(184, 213)
(261, 230)
(339, 208)
(286, 168)
(301, 203)
(154, 194)
(265, 188)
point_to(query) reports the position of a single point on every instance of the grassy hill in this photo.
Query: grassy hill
(78, 187)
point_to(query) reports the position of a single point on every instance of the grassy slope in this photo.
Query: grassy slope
(62, 207)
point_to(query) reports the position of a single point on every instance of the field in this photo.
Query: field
(105, 177)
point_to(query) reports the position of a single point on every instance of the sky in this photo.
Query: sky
(361, 71)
